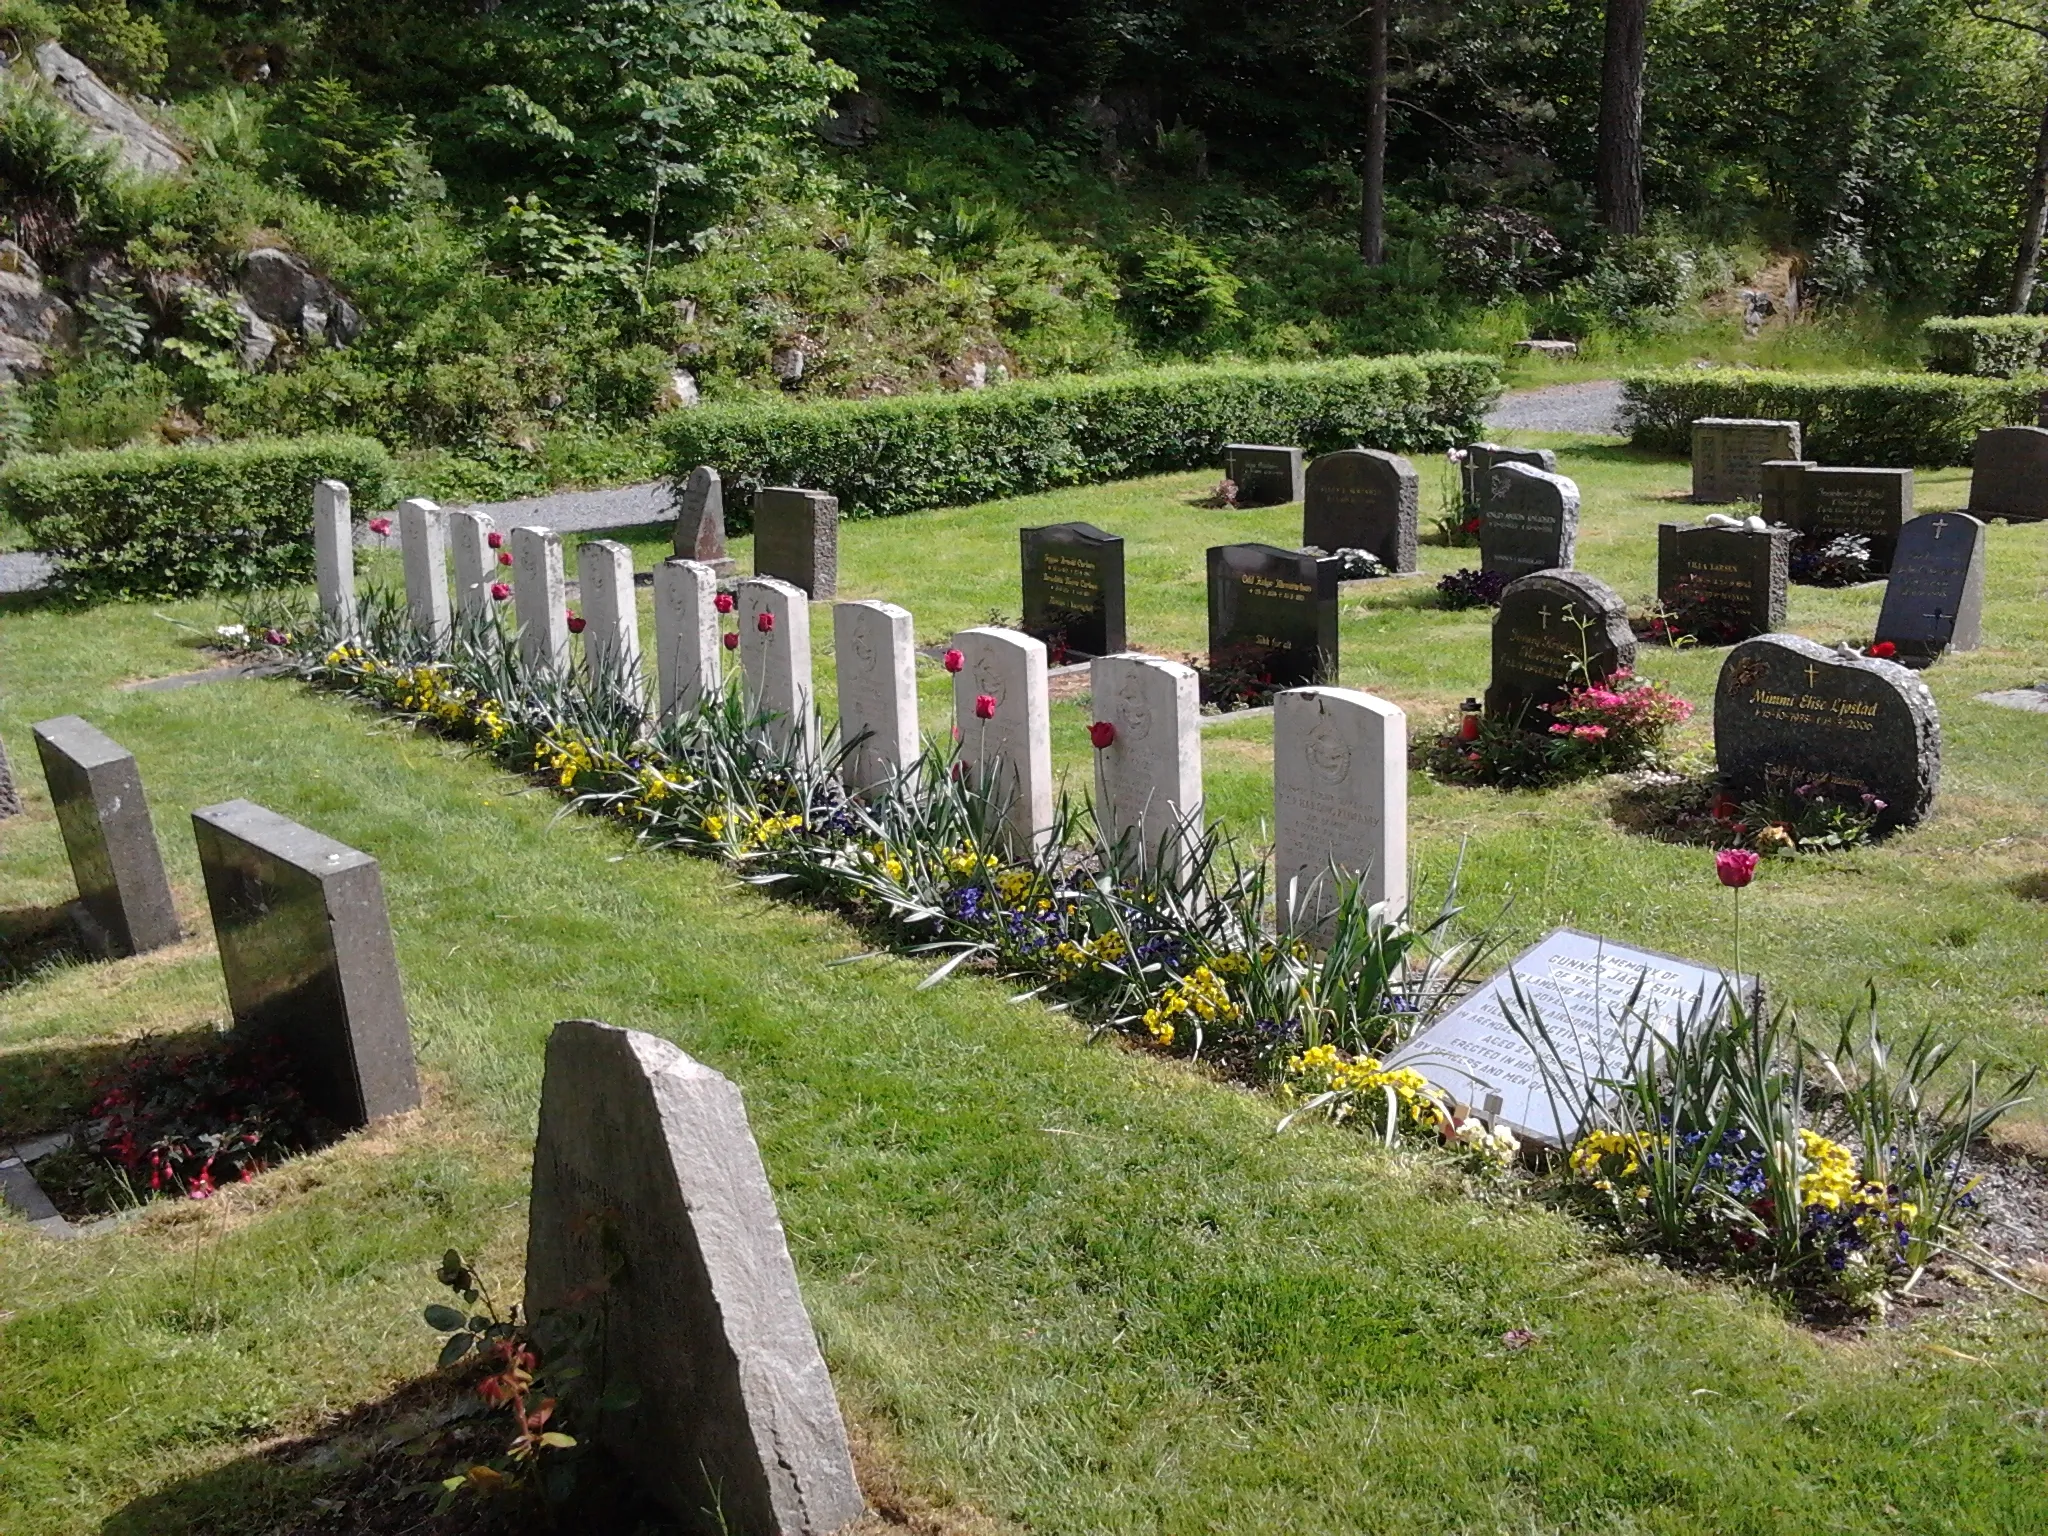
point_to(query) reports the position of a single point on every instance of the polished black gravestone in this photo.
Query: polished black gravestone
(1073, 590)
(700, 521)
(1556, 630)
(1787, 709)
(796, 539)
(1823, 503)
(1531, 522)
(1476, 473)
(1265, 475)
(1934, 601)
(1272, 618)
(2009, 474)
(124, 901)
(1734, 576)
(1361, 498)
(305, 946)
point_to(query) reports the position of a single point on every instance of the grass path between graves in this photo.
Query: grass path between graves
(1077, 1288)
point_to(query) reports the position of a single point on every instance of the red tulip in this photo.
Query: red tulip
(575, 624)
(1885, 649)
(499, 591)
(495, 539)
(1102, 733)
(380, 526)
(1736, 867)
(504, 557)
(954, 660)
(723, 602)
(765, 622)
(984, 706)
(732, 641)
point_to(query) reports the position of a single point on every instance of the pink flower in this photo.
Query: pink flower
(499, 591)
(723, 602)
(1560, 729)
(495, 539)
(954, 661)
(273, 637)
(504, 557)
(1735, 867)
(1590, 732)
(1885, 649)
(765, 622)
(576, 624)
(380, 526)
(984, 706)
(732, 641)
(1102, 733)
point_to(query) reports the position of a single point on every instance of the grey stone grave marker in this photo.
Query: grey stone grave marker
(1736, 577)
(686, 642)
(1823, 502)
(1013, 748)
(796, 539)
(700, 521)
(648, 1184)
(1729, 453)
(1788, 709)
(1265, 475)
(305, 946)
(1361, 498)
(124, 901)
(1475, 475)
(423, 549)
(1073, 590)
(775, 663)
(1272, 618)
(2009, 474)
(1555, 630)
(1531, 522)
(476, 565)
(10, 797)
(874, 650)
(540, 595)
(1148, 780)
(1934, 601)
(1340, 804)
(611, 614)
(1606, 1008)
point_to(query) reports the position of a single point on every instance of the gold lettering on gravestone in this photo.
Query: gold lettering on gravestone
(1068, 577)
(1276, 589)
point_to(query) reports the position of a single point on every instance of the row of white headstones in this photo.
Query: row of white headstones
(1340, 756)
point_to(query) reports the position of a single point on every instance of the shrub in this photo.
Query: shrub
(1895, 419)
(173, 521)
(884, 457)
(1987, 346)
(344, 150)
(126, 48)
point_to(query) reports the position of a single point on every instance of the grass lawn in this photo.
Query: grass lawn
(1078, 1288)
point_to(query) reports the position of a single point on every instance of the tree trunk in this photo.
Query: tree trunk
(1372, 212)
(2032, 227)
(1618, 173)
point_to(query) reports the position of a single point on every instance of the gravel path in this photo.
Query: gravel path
(1593, 407)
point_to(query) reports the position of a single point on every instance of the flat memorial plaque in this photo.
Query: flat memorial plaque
(1595, 999)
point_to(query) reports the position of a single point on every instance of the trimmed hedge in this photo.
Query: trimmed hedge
(169, 522)
(1895, 420)
(1987, 346)
(884, 457)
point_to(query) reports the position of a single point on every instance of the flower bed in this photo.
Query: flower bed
(1606, 728)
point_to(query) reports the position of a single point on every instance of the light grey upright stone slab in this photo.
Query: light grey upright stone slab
(1148, 780)
(540, 597)
(611, 615)
(423, 546)
(1014, 746)
(1340, 803)
(124, 901)
(775, 661)
(476, 563)
(700, 521)
(647, 1183)
(686, 640)
(1729, 454)
(875, 657)
(334, 556)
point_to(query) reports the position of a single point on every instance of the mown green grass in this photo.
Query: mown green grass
(1080, 1288)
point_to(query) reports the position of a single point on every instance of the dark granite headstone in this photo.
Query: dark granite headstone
(1531, 522)
(1733, 576)
(1823, 503)
(1783, 482)
(2009, 474)
(1555, 630)
(305, 946)
(1361, 498)
(796, 539)
(1786, 707)
(1272, 616)
(124, 901)
(1476, 473)
(1073, 590)
(1729, 453)
(700, 521)
(10, 797)
(1265, 475)
(1934, 601)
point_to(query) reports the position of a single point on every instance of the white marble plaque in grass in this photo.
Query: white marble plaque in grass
(1603, 1006)
(686, 642)
(334, 556)
(1148, 780)
(775, 661)
(1012, 748)
(874, 651)
(611, 616)
(540, 595)
(476, 564)
(423, 549)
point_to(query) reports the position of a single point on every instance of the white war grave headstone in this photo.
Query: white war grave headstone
(875, 655)
(611, 617)
(476, 564)
(1011, 748)
(685, 636)
(423, 549)
(541, 596)
(1340, 804)
(775, 661)
(1148, 778)
(334, 556)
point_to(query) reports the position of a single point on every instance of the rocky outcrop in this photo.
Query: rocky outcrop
(139, 143)
(284, 292)
(31, 312)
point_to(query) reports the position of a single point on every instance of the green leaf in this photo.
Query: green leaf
(458, 1345)
(558, 1440)
(443, 1319)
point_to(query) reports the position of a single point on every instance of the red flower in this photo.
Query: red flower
(1736, 867)
(380, 526)
(1102, 733)
(765, 622)
(499, 591)
(575, 624)
(1723, 808)
(723, 602)
(732, 641)
(984, 706)
(504, 557)
(273, 637)
(495, 539)
(1885, 649)
(954, 660)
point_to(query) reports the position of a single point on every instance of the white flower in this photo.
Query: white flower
(1455, 455)
(232, 631)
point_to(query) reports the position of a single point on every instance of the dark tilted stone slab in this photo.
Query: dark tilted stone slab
(1475, 475)
(1265, 475)
(305, 946)
(1272, 616)
(796, 539)
(1740, 572)
(124, 901)
(1555, 630)
(648, 1185)
(2009, 474)
(700, 521)
(1788, 709)
(1073, 590)
(1934, 601)
(1361, 498)
(10, 797)
(1729, 453)
(1531, 522)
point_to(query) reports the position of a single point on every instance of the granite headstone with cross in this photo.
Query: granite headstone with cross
(1934, 601)
(1265, 474)
(1556, 630)
(1789, 712)
(1073, 590)
(1362, 498)
(1272, 620)
(1475, 474)
(1531, 522)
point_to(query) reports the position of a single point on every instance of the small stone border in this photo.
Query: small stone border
(20, 1191)
(2034, 700)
